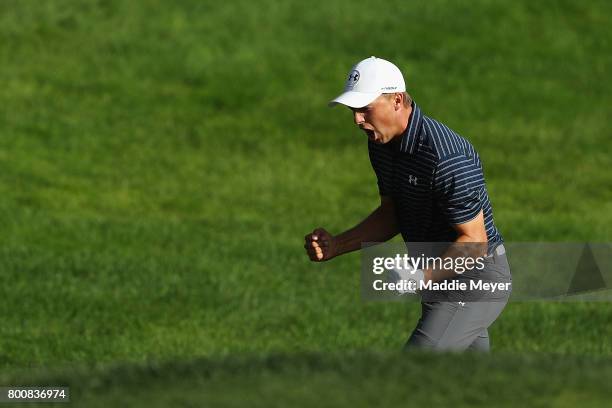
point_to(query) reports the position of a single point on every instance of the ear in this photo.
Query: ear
(398, 101)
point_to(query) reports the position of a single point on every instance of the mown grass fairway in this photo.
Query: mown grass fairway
(160, 163)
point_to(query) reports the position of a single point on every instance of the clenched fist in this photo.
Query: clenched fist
(320, 245)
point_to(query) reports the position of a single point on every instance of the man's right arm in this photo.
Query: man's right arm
(379, 226)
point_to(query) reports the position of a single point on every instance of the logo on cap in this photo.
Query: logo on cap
(353, 78)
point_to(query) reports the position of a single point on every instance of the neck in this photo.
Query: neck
(402, 121)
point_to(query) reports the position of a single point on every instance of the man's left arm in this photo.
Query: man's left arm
(459, 186)
(470, 243)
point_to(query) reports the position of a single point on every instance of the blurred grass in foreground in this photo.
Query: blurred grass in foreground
(331, 380)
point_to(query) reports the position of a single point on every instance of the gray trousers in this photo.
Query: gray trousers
(462, 325)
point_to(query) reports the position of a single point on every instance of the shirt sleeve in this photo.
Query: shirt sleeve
(381, 159)
(459, 187)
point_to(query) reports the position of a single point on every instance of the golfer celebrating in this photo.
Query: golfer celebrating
(432, 189)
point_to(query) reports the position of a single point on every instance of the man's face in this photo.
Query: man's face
(377, 119)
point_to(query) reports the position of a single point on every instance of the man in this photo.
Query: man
(432, 189)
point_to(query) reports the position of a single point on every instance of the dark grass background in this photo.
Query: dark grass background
(160, 163)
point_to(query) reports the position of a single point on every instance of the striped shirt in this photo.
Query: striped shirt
(435, 179)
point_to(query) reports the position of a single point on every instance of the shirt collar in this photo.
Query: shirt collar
(409, 137)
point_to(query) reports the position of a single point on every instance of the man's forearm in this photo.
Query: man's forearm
(464, 247)
(380, 226)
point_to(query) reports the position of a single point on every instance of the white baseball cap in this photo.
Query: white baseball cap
(368, 80)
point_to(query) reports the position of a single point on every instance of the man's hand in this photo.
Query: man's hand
(320, 245)
(409, 274)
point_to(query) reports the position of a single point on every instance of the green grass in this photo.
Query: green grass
(331, 380)
(160, 163)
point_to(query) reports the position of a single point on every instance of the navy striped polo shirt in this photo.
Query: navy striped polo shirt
(435, 179)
